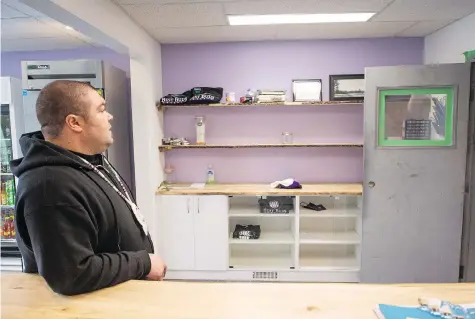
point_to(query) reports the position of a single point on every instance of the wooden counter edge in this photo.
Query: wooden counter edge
(264, 189)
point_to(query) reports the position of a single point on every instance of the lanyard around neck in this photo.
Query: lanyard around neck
(125, 197)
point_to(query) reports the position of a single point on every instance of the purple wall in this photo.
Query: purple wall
(11, 61)
(272, 65)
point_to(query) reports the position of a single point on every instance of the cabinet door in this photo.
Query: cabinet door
(211, 232)
(177, 232)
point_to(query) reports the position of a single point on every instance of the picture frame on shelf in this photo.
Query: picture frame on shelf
(347, 87)
(309, 90)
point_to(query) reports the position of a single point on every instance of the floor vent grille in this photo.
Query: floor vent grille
(265, 275)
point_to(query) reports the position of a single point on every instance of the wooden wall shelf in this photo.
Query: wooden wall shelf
(234, 105)
(171, 147)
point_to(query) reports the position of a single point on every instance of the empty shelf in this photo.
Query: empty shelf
(350, 237)
(338, 213)
(265, 238)
(329, 263)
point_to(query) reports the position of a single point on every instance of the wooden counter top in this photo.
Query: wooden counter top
(28, 297)
(262, 189)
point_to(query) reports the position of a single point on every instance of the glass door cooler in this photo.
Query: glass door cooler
(11, 128)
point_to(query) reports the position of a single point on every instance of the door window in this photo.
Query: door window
(416, 117)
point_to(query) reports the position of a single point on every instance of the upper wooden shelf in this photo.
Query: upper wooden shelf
(170, 147)
(275, 104)
(262, 189)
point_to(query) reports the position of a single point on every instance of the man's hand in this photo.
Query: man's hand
(158, 269)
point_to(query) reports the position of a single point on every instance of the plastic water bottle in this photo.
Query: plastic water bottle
(210, 175)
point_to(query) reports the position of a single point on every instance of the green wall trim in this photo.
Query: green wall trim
(449, 114)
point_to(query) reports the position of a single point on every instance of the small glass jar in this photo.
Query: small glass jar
(169, 174)
(287, 138)
(200, 130)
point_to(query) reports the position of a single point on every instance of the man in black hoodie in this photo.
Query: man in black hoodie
(77, 223)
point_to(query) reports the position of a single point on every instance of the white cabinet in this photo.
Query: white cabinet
(177, 232)
(211, 233)
(305, 244)
(194, 232)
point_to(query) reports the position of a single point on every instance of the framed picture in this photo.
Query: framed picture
(307, 90)
(347, 87)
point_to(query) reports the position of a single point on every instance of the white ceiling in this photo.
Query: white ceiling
(190, 21)
(24, 29)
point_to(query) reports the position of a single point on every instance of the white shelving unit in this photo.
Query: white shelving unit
(303, 245)
(303, 240)
(274, 249)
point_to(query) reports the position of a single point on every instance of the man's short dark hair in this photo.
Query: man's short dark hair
(56, 101)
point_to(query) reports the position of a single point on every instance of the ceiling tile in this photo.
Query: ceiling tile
(304, 6)
(23, 8)
(167, 1)
(280, 32)
(153, 15)
(214, 34)
(184, 21)
(9, 12)
(61, 28)
(28, 28)
(34, 44)
(421, 29)
(426, 10)
(341, 30)
(135, 1)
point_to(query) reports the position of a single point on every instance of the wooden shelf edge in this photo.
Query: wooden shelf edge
(276, 104)
(352, 189)
(294, 145)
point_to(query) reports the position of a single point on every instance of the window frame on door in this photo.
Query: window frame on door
(448, 141)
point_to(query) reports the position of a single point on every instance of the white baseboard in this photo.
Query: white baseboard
(267, 276)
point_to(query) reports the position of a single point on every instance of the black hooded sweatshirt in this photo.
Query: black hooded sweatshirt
(72, 227)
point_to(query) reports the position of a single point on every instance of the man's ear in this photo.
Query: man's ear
(75, 123)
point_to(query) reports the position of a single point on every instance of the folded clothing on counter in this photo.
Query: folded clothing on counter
(288, 183)
(247, 231)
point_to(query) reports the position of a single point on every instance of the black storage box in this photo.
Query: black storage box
(247, 231)
(276, 204)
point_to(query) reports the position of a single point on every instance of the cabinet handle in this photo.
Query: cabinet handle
(188, 205)
(198, 205)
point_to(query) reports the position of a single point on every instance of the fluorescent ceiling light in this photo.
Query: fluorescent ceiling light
(298, 18)
(68, 27)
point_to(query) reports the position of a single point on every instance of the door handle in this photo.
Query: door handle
(371, 184)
